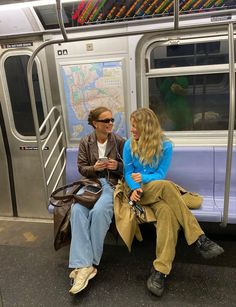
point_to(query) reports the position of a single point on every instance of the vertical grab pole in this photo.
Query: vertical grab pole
(231, 124)
(176, 14)
(60, 20)
(32, 95)
(35, 115)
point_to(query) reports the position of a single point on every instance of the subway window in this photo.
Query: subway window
(16, 75)
(206, 53)
(193, 102)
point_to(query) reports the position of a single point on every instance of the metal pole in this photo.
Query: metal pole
(176, 14)
(231, 124)
(35, 115)
(60, 19)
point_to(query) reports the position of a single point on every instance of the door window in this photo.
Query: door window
(16, 75)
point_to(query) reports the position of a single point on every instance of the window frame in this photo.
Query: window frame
(14, 130)
(183, 138)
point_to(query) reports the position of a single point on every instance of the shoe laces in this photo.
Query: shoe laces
(204, 242)
(157, 276)
(81, 275)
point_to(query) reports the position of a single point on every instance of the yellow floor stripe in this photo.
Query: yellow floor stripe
(29, 237)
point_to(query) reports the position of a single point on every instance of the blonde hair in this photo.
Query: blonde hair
(149, 146)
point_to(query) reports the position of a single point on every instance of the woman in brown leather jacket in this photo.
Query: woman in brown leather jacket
(99, 157)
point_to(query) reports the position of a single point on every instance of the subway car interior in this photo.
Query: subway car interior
(59, 59)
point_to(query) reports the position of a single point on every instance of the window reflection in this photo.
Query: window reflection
(189, 54)
(191, 102)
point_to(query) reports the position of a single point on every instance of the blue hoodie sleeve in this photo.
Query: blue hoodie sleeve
(163, 165)
(129, 167)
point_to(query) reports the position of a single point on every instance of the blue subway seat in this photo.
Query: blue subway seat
(193, 168)
(50, 208)
(197, 169)
(72, 173)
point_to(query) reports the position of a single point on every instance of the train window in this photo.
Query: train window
(189, 55)
(195, 102)
(16, 75)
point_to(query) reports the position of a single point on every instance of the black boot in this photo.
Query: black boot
(207, 248)
(155, 282)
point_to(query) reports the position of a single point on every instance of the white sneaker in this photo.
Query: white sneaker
(81, 278)
(73, 273)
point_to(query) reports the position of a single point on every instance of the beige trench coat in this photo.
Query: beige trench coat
(127, 223)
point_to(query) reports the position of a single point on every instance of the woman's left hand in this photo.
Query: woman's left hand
(112, 164)
(136, 195)
(137, 177)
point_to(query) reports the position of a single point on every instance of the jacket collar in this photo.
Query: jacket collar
(110, 144)
(94, 148)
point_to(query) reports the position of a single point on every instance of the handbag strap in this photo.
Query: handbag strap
(70, 196)
(64, 188)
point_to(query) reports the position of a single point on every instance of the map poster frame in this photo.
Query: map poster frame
(86, 85)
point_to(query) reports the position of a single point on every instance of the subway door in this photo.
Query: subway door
(25, 171)
(5, 200)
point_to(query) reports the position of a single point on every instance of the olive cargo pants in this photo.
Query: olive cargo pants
(171, 213)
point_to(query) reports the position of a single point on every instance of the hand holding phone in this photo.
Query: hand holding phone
(112, 164)
(103, 159)
(101, 164)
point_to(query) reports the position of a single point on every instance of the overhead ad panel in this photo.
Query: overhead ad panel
(89, 12)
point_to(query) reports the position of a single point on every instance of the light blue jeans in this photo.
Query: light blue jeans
(89, 228)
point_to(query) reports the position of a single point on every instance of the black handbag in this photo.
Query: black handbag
(62, 199)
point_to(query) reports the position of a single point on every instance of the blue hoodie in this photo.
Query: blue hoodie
(148, 173)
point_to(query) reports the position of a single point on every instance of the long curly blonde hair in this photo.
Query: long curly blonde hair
(148, 147)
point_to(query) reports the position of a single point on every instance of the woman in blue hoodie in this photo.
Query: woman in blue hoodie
(147, 157)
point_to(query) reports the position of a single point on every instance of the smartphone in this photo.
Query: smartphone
(92, 189)
(103, 159)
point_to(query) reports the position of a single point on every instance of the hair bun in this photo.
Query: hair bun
(90, 118)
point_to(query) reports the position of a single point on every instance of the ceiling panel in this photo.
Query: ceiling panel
(14, 1)
(22, 1)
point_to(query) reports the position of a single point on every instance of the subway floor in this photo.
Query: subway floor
(33, 274)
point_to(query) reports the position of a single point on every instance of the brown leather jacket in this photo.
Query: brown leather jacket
(88, 156)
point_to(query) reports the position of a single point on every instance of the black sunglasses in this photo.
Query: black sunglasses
(106, 120)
